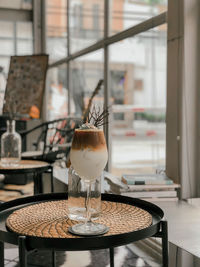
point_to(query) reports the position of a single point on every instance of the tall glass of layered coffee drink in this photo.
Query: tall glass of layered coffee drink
(88, 157)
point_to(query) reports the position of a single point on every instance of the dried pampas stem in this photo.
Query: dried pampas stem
(87, 111)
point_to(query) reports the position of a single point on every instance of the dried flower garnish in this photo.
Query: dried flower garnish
(96, 91)
(97, 117)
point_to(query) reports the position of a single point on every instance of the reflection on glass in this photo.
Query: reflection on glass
(56, 21)
(20, 4)
(24, 30)
(57, 93)
(138, 91)
(4, 63)
(85, 74)
(126, 14)
(86, 23)
(6, 29)
(7, 46)
(24, 47)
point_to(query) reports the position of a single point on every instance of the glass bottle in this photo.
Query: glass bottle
(77, 195)
(10, 146)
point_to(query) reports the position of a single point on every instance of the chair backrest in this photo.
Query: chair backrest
(55, 137)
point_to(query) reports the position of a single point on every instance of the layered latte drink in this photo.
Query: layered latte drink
(88, 158)
(89, 153)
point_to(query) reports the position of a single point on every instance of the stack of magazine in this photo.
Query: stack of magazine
(151, 187)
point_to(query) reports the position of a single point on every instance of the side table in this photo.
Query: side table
(32, 241)
(30, 166)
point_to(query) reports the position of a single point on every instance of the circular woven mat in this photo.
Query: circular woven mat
(49, 219)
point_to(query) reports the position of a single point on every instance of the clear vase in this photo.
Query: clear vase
(10, 146)
(77, 195)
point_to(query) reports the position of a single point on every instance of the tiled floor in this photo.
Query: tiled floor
(123, 257)
(10, 195)
(11, 257)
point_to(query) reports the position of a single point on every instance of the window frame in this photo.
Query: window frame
(104, 44)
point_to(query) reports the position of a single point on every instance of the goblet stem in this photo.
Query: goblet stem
(88, 202)
(88, 228)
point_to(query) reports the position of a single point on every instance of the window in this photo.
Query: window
(16, 38)
(85, 72)
(57, 93)
(20, 4)
(56, 31)
(138, 122)
(132, 51)
(86, 23)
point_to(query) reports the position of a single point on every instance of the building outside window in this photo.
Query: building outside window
(136, 74)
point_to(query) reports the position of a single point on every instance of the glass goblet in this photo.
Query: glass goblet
(88, 157)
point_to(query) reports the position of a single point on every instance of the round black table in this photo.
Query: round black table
(30, 166)
(158, 228)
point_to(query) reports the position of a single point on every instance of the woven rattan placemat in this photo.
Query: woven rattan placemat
(49, 219)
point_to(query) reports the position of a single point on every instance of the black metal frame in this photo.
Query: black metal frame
(48, 153)
(29, 243)
(37, 176)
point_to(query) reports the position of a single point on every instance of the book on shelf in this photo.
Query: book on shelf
(113, 184)
(156, 199)
(151, 194)
(146, 179)
(151, 187)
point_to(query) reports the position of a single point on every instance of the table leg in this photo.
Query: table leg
(22, 251)
(53, 258)
(111, 257)
(35, 181)
(2, 254)
(52, 184)
(38, 188)
(164, 243)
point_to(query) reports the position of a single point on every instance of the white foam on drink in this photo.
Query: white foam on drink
(89, 164)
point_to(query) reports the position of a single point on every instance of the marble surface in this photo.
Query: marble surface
(183, 225)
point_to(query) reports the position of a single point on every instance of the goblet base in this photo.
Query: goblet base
(88, 229)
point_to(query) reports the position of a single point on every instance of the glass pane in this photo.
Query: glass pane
(4, 63)
(125, 14)
(138, 90)
(7, 47)
(3, 75)
(86, 23)
(17, 4)
(6, 29)
(24, 30)
(56, 29)
(85, 74)
(24, 47)
(57, 93)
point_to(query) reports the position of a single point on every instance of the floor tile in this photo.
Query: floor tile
(11, 253)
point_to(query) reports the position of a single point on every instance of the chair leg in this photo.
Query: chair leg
(111, 257)
(2, 254)
(53, 258)
(22, 251)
